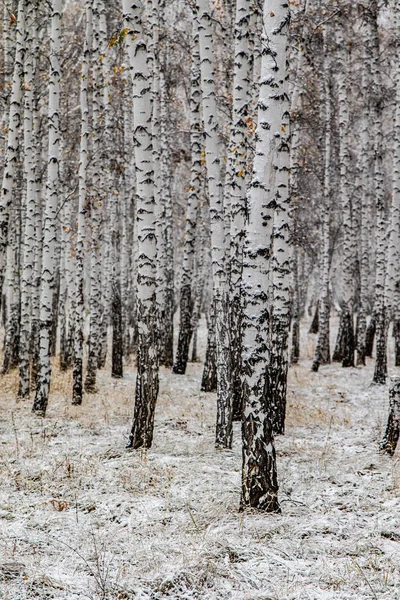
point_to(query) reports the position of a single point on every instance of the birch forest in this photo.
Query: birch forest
(199, 299)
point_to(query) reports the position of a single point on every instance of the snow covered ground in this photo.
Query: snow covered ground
(80, 517)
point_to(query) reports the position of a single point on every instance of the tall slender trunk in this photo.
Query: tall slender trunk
(12, 326)
(9, 54)
(28, 257)
(159, 198)
(392, 281)
(236, 190)
(295, 342)
(298, 49)
(166, 160)
(380, 372)
(119, 264)
(346, 315)
(147, 359)
(281, 259)
(259, 474)
(50, 216)
(192, 211)
(199, 279)
(322, 351)
(77, 386)
(35, 332)
(14, 126)
(67, 292)
(56, 297)
(365, 182)
(95, 210)
(220, 284)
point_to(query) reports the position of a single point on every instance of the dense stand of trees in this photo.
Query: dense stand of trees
(237, 159)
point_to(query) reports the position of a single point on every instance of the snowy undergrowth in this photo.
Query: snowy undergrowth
(83, 518)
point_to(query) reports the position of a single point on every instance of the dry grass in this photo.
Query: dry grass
(82, 517)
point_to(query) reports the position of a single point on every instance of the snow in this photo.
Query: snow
(81, 517)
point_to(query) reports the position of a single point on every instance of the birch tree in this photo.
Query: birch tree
(380, 372)
(236, 188)
(215, 192)
(50, 216)
(366, 162)
(96, 203)
(322, 351)
(13, 135)
(30, 203)
(344, 350)
(147, 360)
(392, 283)
(281, 257)
(259, 473)
(192, 211)
(77, 386)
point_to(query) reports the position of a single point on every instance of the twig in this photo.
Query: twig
(192, 518)
(15, 434)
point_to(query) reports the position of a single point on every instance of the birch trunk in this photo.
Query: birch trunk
(186, 295)
(165, 167)
(220, 284)
(119, 265)
(380, 372)
(67, 291)
(392, 281)
(236, 189)
(96, 203)
(200, 276)
(14, 125)
(295, 342)
(35, 333)
(392, 433)
(281, 259)
(147, 360)
(50, 220)
(28, 257)
(259, 474)
(346, 316)
(82, 208)
(365, 180)
(12, 329)
(322, 351)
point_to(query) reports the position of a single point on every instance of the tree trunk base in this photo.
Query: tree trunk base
(269, 505)
(391, 437)
(315, 366)
(369, 337)
(314, 327)
(77, 388)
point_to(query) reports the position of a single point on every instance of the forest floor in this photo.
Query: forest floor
(81, 517)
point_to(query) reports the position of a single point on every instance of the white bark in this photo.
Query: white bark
(366, 164)
(50, 221)
(82, 199)
(344, 159)
(259, 480)
(237, 186)
(192, 210)
(322, 351)
(379, 194)
(393, 251)
(96, 204)
(28, 256)
(147, 376)
(14, 125)
(215, 191)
